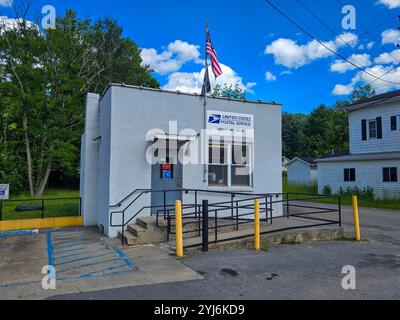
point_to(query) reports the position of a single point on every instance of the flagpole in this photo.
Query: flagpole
(205, 142)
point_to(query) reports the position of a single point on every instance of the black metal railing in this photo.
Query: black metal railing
(37, 208)
(299, 211)
(166, 210)
(235, 212)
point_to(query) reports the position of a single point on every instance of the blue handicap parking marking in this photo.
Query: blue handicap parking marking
(75, 256)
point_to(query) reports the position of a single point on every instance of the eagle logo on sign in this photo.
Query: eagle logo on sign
(214, 119)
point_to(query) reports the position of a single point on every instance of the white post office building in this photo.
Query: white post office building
(149, 139)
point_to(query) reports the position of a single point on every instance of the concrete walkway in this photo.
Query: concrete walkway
(84, 262)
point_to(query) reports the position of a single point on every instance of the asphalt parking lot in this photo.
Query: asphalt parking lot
(305, 271)
(89, 266)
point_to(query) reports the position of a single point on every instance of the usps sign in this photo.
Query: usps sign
(4, 191)
(228, 121)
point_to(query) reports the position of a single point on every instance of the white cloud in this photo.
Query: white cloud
(368, 45)
(390, 77)
(7, 24)
(172, 58)
(342, 90)
(5, 3)
(388, 58)
(269, 76)
(286, 72)
(391, 36)
(391, 4)
(384, 72)
(290, 54)
(192, 82)
(342, 66)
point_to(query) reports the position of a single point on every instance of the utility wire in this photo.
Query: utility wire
(325, 24)
(324, 45)
(339, 37)
(388, 50)
(366, 32)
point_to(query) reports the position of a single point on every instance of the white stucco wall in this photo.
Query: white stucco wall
(368, 174)
(126, 116)
(89, 161)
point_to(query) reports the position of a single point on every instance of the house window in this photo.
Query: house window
(390, 175)
(350, 175)
(230, 165)
(372, 129)
(395, 123)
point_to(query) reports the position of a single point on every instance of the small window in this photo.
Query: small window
(395, 123)
(372, 129)
(390, 175)
(218, 154)
(350, 175)
(218, 176)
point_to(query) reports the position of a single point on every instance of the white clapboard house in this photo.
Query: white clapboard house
(374, 157)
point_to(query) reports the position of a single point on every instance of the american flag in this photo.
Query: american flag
(210, 51)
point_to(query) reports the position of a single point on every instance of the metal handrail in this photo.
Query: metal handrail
(146, 191)
(216, 209)
(233, 205)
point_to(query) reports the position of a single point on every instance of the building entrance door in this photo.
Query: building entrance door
(166, 175)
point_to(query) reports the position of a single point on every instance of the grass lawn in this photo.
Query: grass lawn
(68, 205)
(371, 203)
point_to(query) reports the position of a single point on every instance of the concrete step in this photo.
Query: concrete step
(146, 236)
(137, 230)
(151, 222)
(145, 230)
(129, 238)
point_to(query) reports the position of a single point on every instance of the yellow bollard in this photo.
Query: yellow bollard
(356, 218)
(257, 244)
(179, 234)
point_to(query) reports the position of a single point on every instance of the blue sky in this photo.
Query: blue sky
(259, 49)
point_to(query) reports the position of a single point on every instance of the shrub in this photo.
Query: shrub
(365, 193)
(327, 190)
(11, 173)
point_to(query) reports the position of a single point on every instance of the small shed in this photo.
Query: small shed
(302, 170)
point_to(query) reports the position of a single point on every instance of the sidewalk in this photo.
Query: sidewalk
(84, 262)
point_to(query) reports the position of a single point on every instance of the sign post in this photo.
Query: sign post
(4, 191)
(4, 195)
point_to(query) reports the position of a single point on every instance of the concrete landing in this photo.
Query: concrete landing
(300, 233)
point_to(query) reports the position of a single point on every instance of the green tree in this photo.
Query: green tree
(292, 135)
(229, 91)
(361, 93)
(325, 130)
(120, 58)
(44, 79)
